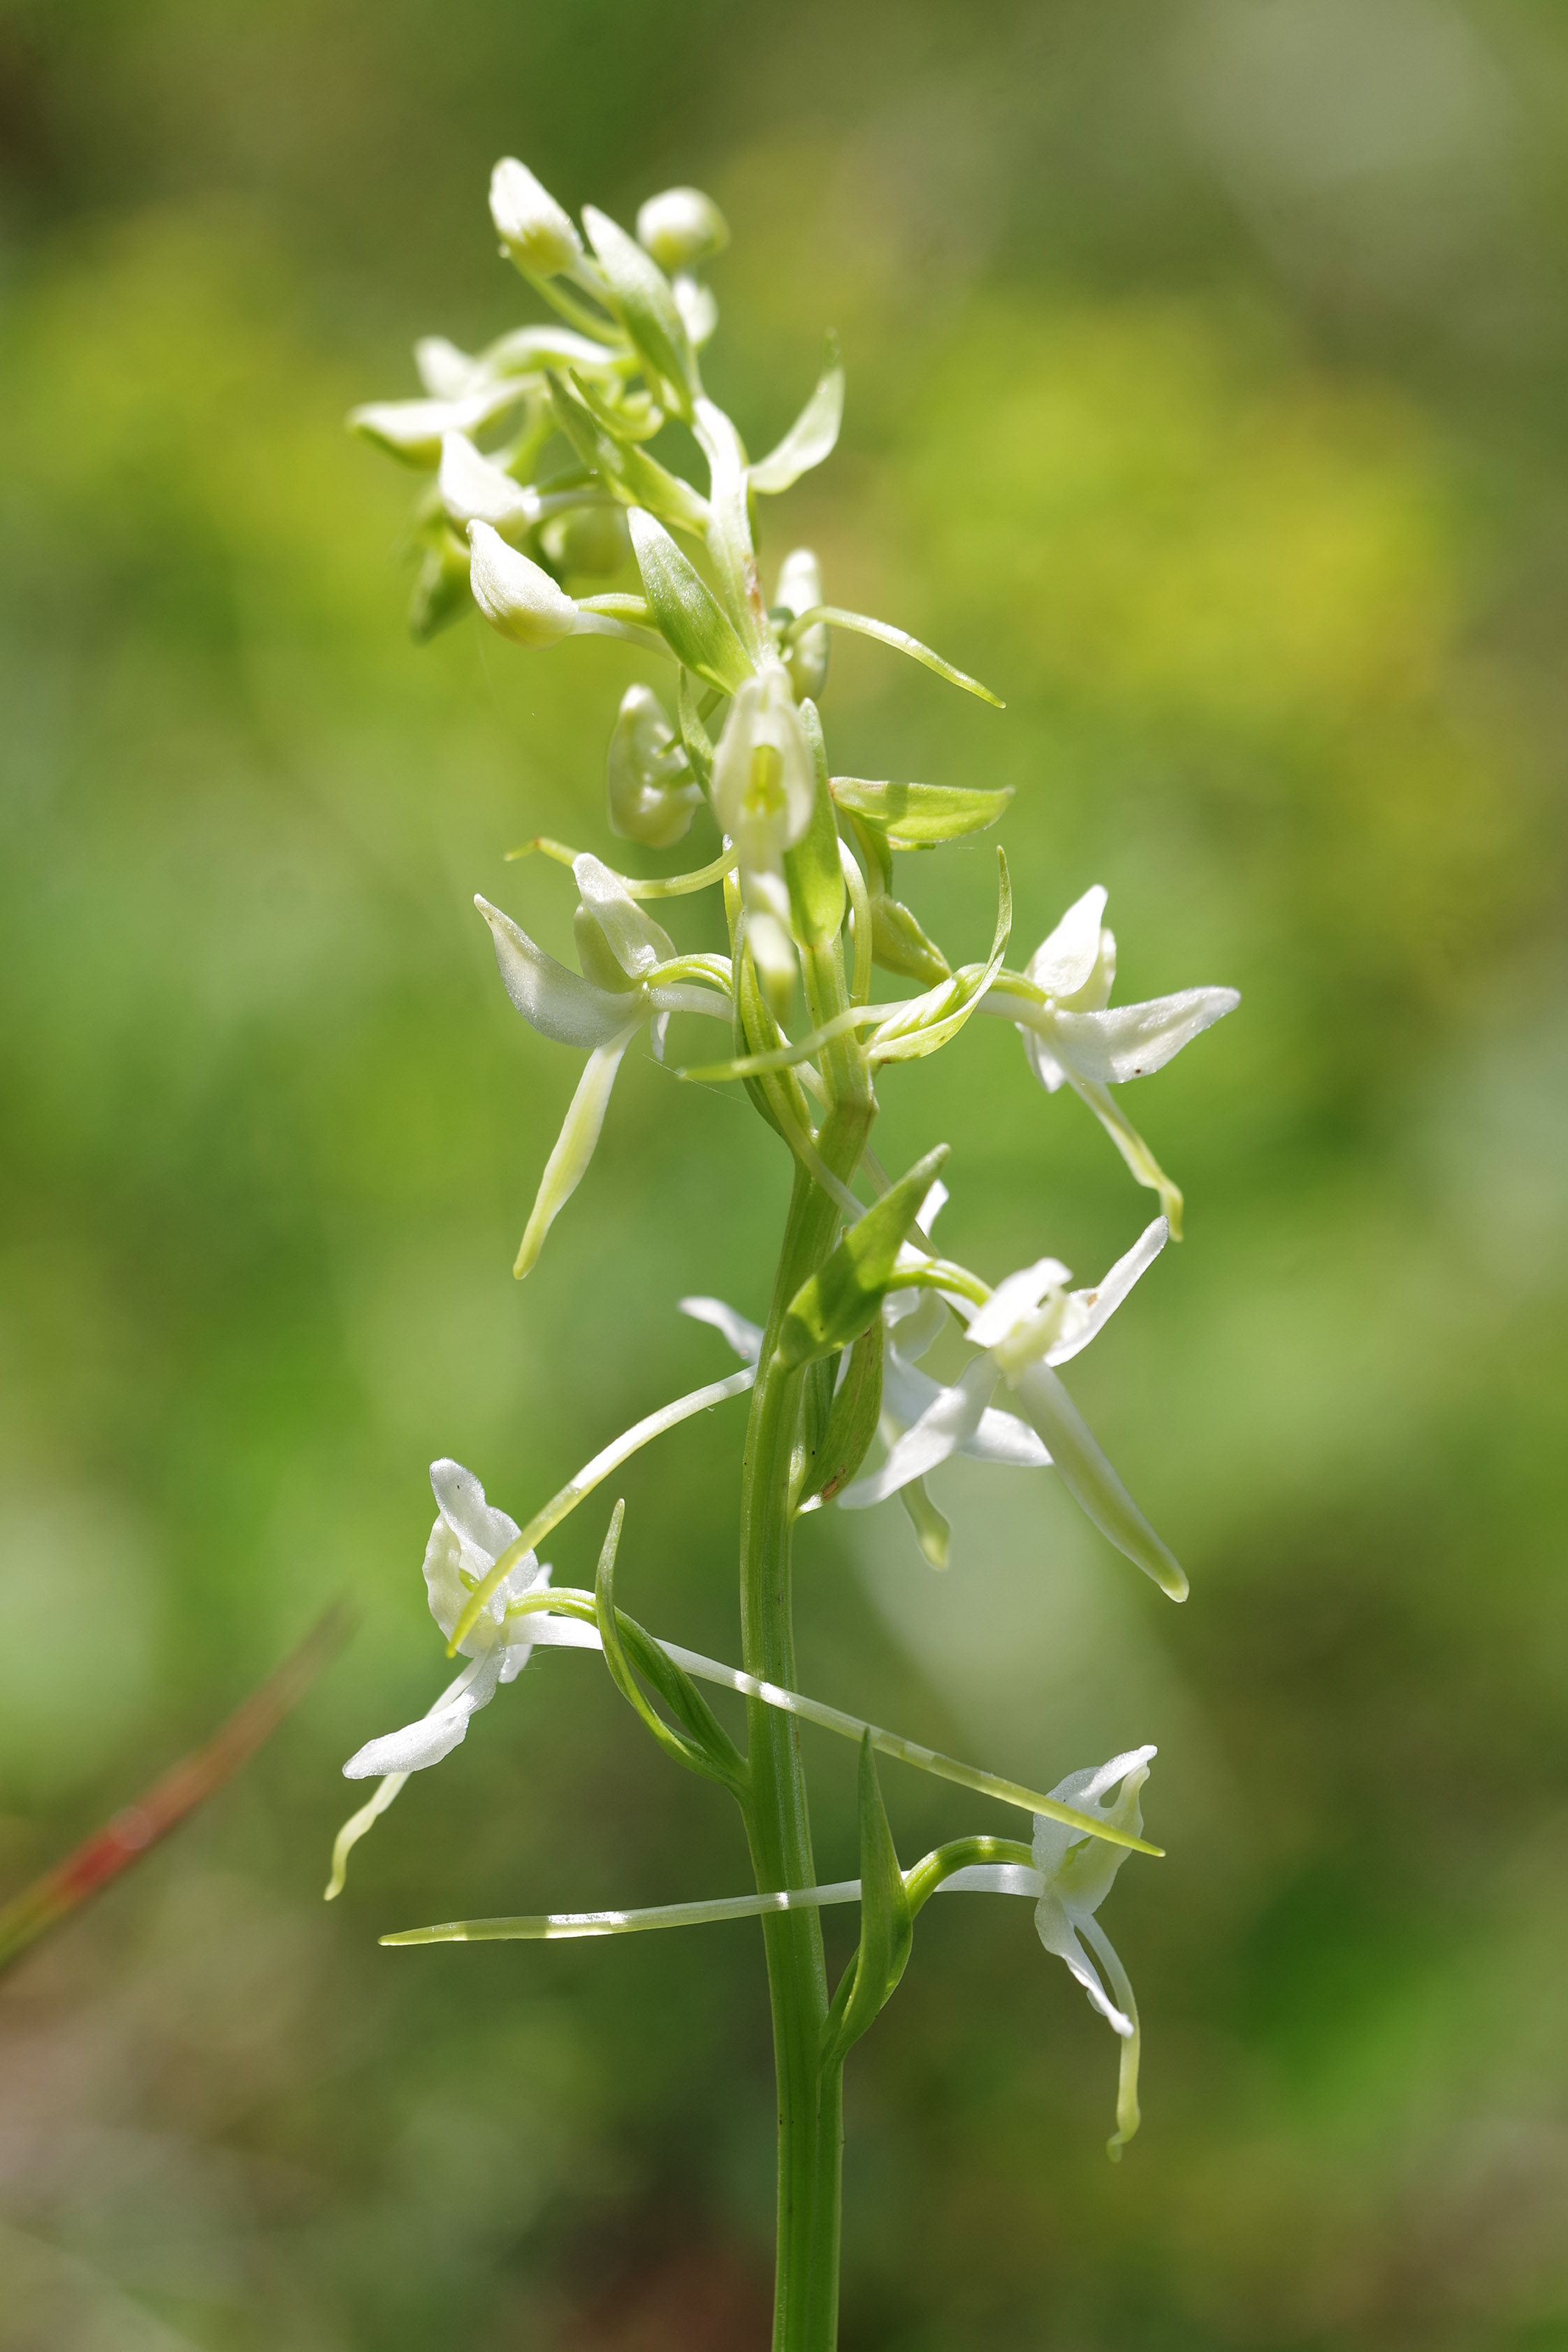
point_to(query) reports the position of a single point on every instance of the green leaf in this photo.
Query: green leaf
(812, 868)
(852, 1423)
(691, 623)
(843, 1297)
(917, 816)
(703, 1746)
(644, 304)
(812, 436)
(887, 1925)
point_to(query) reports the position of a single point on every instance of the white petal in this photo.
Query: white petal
(919, 1317)
(1081, 1869)
(637, 942)
(568, 1163)
(906, 1392)
(931, 1207)
(746, 1338)
(1063, 963)
(461, 1499)
(472, 489)
(1129, 1041)
(1057, 1933)
(1090, 1478)
(946, 1425)
(1088, 1311)
(1003, 1439)
(446, 373)
(421, 1744)
(1015, 1300)
(1044, 1066)
(559, 1003)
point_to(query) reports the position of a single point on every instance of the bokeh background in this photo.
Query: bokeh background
(1207, 371)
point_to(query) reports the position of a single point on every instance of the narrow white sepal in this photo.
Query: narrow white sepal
(746, 1338)
(559, 1003)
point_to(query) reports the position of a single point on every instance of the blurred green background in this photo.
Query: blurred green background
(1207, 370)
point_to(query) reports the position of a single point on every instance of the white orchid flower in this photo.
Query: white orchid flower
(465, 1541)
(1071, 1877)
(1074, 1036)
(626, 953)
(1031, 1323)
(764, 789)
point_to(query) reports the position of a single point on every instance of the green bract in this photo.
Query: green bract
(548, 468)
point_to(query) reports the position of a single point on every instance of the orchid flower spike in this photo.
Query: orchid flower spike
(1073, 1037)
(624, 954)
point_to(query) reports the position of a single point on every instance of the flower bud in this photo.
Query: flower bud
(648, 784)
(764, 786)
(590, 539)
(516, 596)
(681, 226)
(800, 591)
(534, 232)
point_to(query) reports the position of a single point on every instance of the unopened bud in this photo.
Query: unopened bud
(516, 596)
(648, 784)
(681, 226)
(534, 230)
(800, 591)
(589, 539)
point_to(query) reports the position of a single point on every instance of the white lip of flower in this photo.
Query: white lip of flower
(1077, 1038)
(574, 1010)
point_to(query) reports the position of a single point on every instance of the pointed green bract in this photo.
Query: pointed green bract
(643, 304)
(887, 1925)
(684, 608)
(814, 435)
(839, 1302)
(852, 1421)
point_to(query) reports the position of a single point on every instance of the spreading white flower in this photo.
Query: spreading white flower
(624, 952)
(1072, 1876)
(1074, 1036)
(1031, 1323)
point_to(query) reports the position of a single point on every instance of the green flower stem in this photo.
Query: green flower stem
(811, 2126)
